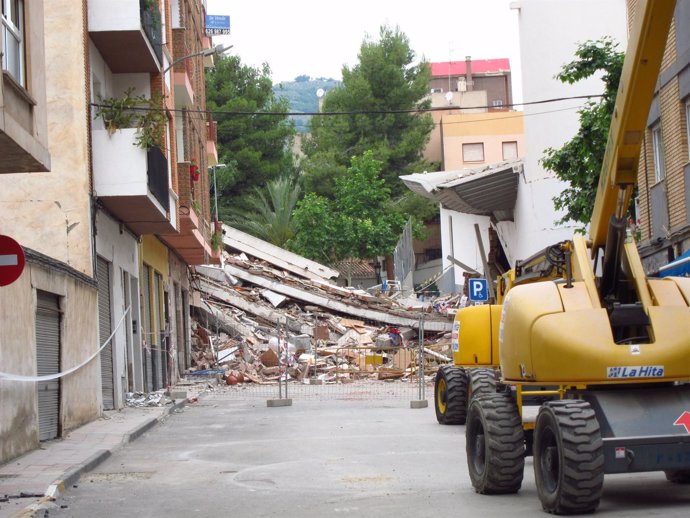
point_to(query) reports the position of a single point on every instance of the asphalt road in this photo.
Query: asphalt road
(226, 457)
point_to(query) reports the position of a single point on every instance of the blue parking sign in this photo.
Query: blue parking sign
(479, 290)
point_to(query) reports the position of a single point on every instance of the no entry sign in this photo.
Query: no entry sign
(11, 260)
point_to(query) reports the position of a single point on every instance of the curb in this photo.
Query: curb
(72, 476)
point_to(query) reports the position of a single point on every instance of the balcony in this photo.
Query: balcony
(206, 43)
(182, 81)
(211, 140)
(23, 107)
(133, 183)
(24, 147)
(189, 243)
(127, 33)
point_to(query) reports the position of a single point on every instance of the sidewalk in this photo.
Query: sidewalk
(29, 484)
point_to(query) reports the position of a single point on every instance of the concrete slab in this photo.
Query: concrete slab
(279, 402)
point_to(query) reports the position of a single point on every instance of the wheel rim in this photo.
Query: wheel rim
(441, 396)
(479, 458)
(549, 463)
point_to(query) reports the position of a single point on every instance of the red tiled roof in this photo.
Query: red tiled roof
(358, 268)
(479, 66)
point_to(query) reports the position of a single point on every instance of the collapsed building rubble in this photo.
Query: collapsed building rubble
(261, 316)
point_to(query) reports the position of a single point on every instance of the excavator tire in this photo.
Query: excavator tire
(450, 395)
(568, 457)
(678, 476)
(482, 380)
(495, 445)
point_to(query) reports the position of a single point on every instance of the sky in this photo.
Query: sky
(317, 38)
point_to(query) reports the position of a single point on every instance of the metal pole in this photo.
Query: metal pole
(420, 361)
(287, 350)
(215, 195)
(280, 352)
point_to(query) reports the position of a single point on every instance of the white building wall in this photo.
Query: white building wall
(119, 247)
(550, 31)
(458, 239)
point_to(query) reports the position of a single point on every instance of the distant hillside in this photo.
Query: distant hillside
(302, 96)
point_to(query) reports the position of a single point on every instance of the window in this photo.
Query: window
(12, 38)
(510, 151)
(658, 149)
(473, 152)
(497, 103)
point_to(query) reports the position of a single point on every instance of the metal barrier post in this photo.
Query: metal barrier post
(421, 402)
(282, 362)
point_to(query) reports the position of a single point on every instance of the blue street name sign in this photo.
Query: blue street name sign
(479, 290)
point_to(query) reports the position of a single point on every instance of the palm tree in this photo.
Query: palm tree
(269, 216)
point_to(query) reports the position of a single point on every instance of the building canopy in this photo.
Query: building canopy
(487, 191)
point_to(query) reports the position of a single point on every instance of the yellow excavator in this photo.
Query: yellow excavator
(475, 369)
(581, 330)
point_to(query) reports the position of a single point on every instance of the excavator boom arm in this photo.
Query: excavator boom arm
(629, 120)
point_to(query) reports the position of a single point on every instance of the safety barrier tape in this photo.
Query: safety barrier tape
(51, 377)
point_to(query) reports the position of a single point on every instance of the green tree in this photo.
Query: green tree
(579, 160)
(269, 216)
(255, 148)
(355, 224)
(377, 95)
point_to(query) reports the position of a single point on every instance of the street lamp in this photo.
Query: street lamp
(215, 190)
(213, 51)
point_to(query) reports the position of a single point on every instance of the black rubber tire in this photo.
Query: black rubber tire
(678, 476)
(450, 395)
(568, 457)
(495, 445)
(482, 380)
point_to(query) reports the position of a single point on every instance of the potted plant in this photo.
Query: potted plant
(135, 111)
(194, 171)
(216, 240)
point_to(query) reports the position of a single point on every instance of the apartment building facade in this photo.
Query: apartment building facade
(464, 87)
(663, 199)
(112, 229)
(511, 200)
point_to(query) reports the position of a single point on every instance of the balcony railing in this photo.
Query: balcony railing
(157, 174)
(151, 22)
(211, 129)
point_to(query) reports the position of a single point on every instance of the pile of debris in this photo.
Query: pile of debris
(274, 312)
(359, 351)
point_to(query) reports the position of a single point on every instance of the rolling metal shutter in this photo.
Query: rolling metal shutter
(104, 330)
(47, 363)
(146, 329)
(158, 355)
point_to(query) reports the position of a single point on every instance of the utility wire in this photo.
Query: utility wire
(360, 112)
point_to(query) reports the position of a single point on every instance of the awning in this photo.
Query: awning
(486, 191)
(680, 267)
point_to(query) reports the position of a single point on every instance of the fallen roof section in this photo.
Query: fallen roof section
(329, 297)
(279, 257)
(486, 191)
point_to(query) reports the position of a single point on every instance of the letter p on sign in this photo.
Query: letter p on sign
(479, 290)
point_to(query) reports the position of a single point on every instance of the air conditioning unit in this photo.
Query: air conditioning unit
(437, 90)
